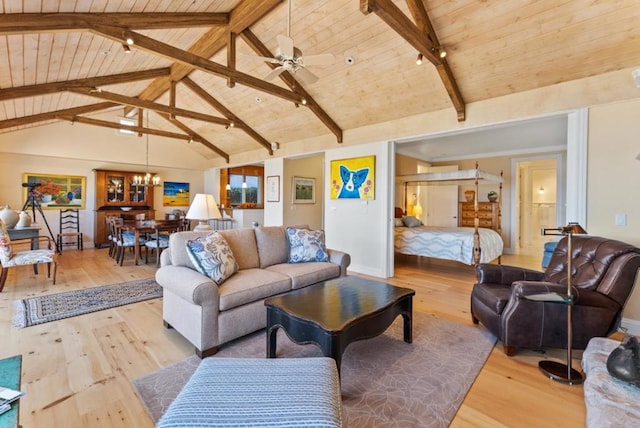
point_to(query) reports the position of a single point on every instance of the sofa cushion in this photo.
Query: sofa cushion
(250, 285)
(306, 246)
(303, 274)
(178, 247)
(243, 245)
(212, 256)
(273, 247)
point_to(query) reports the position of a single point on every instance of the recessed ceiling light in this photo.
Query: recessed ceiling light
(258, 100)
(106, 52)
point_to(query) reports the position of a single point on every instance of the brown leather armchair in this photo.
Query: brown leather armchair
(604, 271)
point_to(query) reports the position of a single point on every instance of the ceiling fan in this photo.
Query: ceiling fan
(290, 58)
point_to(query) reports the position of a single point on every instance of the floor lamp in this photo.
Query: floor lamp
(557, 371)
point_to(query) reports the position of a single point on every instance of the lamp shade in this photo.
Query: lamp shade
(417, 210)
(203, 208)
(574, 228)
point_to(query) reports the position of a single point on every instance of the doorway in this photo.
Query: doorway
(537, 202)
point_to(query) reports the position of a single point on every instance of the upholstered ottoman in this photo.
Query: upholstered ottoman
(610, 402)
(243, 392)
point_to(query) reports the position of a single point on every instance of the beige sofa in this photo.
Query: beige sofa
(209, 315)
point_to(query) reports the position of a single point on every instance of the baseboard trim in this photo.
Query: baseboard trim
(630, 326)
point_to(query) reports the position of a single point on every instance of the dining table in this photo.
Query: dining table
(139, 227)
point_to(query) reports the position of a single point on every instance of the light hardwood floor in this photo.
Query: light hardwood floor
(77, 372)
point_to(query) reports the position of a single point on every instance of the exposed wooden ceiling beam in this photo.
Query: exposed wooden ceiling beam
(11, 23)
(238, 123)
(167, 51)
(53, 87)
(149, 105)
(401, 24)
(255, 44)
(113, 125)
(53, 115)
(196, 137)
(245, 14)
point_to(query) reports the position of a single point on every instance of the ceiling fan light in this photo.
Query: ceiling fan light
(419, 60)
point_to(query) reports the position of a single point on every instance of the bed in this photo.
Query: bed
(449, 243)
(468, 245)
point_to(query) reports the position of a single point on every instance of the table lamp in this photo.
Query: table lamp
(203, 208)
(557, 371)
(417, 211)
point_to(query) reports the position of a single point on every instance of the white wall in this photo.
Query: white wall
(273, 211)
(362, 228)
(309, 214)
(13, 166)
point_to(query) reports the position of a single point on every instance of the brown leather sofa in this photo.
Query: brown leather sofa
(604, 271)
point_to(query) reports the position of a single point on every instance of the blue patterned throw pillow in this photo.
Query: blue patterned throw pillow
(212, 257)
(306, 245)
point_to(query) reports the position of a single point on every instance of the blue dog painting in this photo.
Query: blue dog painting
(351, 182)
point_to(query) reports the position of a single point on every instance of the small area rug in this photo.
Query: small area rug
(51, 307)
(385, 381)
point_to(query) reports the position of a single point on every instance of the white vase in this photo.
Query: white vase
(24, 220)
(9, 216)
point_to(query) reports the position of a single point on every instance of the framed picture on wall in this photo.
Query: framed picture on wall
(304, 190)
(273, 188)
(54, 192)
(175, 194)
(353, 178)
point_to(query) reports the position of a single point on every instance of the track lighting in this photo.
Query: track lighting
(304, 101)
(126, 48)
(443, 53)
(419, 60)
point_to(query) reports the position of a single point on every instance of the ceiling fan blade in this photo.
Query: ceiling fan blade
(260, 58)
(306, 76)
(274, 73)
(286, 46)
(321, 59)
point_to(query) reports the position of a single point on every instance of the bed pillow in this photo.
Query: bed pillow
(398, 222)
(411, 221)
(306, 245)
(212, 256)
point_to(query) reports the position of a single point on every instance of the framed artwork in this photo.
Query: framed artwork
(273, 188)
(353, 178)
(175, 194)
(54, 192)
(304, 190)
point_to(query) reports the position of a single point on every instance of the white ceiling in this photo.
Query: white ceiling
(531, 136)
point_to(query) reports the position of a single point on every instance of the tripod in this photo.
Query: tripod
(32, 201)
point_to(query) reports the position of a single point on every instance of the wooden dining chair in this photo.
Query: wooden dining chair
(124, 240)
(160, 239)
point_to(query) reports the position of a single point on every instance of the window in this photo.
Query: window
(128, 122)
(238, 194)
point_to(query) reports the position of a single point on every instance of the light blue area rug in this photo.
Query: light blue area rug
(51, 307)
(385, 381)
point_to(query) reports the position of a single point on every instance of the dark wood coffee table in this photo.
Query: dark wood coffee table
(335, 313)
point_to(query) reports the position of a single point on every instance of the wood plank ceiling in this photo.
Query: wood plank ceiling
(65, 60)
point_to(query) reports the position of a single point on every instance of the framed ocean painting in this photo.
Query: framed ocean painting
(175, 194)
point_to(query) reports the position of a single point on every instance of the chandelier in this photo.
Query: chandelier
(147, 180)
